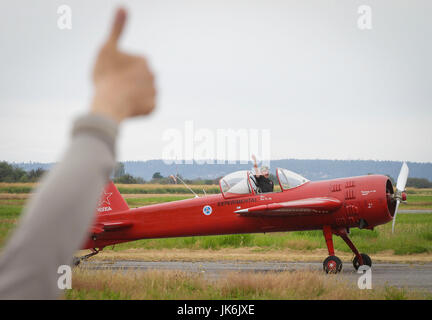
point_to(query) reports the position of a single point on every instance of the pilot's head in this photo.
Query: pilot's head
(265, 171)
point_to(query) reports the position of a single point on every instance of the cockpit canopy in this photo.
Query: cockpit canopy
(288, 179)
(236, 183)
(243, 182)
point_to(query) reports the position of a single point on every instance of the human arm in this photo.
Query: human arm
(55, 222)
(257, 170)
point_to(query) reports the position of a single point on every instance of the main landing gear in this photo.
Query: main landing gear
(333, 264)
(77, 260)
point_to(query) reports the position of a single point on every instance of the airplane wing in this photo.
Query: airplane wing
(310, 206)
(110, 226)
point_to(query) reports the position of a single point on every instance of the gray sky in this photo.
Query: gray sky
(302, 69)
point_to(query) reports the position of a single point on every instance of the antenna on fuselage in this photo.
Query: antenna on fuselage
(177, 177)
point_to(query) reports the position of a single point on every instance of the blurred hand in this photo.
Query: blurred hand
(124, 85)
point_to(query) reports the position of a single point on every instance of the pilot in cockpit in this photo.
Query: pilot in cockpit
(264, 183)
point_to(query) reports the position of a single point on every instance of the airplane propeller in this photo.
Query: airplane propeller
(400, 188)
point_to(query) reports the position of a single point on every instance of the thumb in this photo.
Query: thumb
(117, 27)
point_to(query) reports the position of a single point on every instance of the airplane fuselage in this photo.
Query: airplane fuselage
(363, 203)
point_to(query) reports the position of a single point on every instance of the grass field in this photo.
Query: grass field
(172, 285)
(123, 188)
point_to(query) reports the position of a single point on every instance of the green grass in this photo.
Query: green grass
(413, 234)
(11, 211)
(417, 201)
(129, 190)
(166, 190)
(8, 216)
(124, 188)
(425, 191)
(16, 189)
(139, 202)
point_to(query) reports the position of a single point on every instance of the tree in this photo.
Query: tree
(157, 175)
(9, 173)
(119, 170)
(129, 179)
(419, 183)
(35, 175)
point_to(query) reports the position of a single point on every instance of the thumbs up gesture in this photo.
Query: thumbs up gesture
(124, 84)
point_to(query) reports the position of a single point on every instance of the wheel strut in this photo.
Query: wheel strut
(332, 261)
(77, 260)
(328, 235)
(344, 235)
(360, 258)
(331, 264)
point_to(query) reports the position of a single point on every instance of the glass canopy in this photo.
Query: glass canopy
(241, 183)
(288, 179)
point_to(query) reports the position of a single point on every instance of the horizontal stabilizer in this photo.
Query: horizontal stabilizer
(310, 206)
(110, 226)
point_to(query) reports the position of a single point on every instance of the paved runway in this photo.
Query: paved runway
(429, 211)
(413, 276)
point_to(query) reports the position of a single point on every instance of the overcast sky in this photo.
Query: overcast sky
(301, 69)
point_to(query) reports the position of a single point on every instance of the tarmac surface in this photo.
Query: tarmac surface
(410, 276)
(415, 211)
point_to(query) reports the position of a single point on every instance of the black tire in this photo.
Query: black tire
(332, 264)
(366, 260)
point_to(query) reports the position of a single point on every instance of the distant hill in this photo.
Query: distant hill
(311, 169)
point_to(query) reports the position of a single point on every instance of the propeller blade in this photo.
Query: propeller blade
(402, 178)
(400, 187)
(394, 218)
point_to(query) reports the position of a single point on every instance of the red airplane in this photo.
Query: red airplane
(333, 206)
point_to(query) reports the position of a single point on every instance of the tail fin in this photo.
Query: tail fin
(111, 200)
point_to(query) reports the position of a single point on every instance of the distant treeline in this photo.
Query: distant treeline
(120, 176)
(11, 173)
(312, 169)
(419, 183)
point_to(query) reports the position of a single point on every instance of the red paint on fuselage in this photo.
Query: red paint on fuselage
(362, 198)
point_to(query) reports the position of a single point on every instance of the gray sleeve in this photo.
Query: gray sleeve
(55, 222)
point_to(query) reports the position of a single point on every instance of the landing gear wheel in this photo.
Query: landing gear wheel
(366, 261)
(332, 264)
